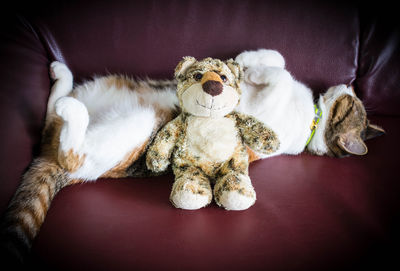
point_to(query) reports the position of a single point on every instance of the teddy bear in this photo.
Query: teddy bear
(207, 142)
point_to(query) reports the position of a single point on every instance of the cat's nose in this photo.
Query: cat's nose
(211, 83)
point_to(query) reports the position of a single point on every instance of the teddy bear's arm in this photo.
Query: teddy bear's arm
(256, 134)
(159, 152)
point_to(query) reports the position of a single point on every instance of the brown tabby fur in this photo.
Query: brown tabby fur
(347, 128)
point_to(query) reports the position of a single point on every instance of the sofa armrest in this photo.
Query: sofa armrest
(25, 85)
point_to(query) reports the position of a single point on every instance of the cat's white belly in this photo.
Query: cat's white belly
(287, 111)
(120, 120)
(108, 142)
(211, 139)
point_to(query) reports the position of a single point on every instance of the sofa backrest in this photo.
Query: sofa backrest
(324, 42)
(318, 40)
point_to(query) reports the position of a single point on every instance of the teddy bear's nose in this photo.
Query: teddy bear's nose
(212, 87)
(212, 83)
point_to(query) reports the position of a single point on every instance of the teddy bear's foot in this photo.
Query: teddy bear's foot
(234, 192)
(191, 192)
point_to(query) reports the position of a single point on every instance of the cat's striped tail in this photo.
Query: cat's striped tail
(27, 210)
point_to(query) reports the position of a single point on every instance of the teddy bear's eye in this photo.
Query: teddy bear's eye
(198, 76)
(223, 77)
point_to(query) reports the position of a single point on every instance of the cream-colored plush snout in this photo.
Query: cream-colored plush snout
(210, 97)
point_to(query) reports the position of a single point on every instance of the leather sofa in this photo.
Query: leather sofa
(312, 213)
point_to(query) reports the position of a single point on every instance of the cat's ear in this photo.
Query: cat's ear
(373, 131)
(352, 144)
(183, 65)
(341, 107)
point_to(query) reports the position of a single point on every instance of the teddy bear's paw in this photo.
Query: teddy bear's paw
(235, 192)
(189, 201)
(191, 194)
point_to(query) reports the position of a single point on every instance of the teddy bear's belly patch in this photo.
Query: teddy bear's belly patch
(212, 140)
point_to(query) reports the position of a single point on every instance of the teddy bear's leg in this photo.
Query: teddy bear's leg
(233, 189)
(191, 189)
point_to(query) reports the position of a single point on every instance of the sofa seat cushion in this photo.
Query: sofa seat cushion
(312, 213)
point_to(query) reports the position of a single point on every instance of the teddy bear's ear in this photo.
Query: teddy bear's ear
(235, 68)
(183, 65)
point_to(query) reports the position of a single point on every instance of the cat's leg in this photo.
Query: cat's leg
(260, 57)
(75, 121)
(233, 189)
(191, 189)
(62, 86)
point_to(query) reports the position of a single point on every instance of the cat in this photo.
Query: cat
(338, 121)
(103, 127)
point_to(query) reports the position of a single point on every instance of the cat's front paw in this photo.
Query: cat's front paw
(259, 57)
(60, 71)
(264, 75)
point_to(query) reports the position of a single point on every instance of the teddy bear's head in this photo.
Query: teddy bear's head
(208, 88)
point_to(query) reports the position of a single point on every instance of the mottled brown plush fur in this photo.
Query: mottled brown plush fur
(194, 169)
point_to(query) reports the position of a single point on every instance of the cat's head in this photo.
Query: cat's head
(347, 125)
(209, 87)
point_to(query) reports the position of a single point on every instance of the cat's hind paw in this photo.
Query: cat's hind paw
(60, 71)
(70, 109)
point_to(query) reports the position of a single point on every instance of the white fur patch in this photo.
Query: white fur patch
(212, 139)
(285, 105)
(76, 120)
(62, 85)
(108, 141)
(265, 57)
(120, 121)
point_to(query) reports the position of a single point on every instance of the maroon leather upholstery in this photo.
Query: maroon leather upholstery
(378, 64)
(312, 213)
